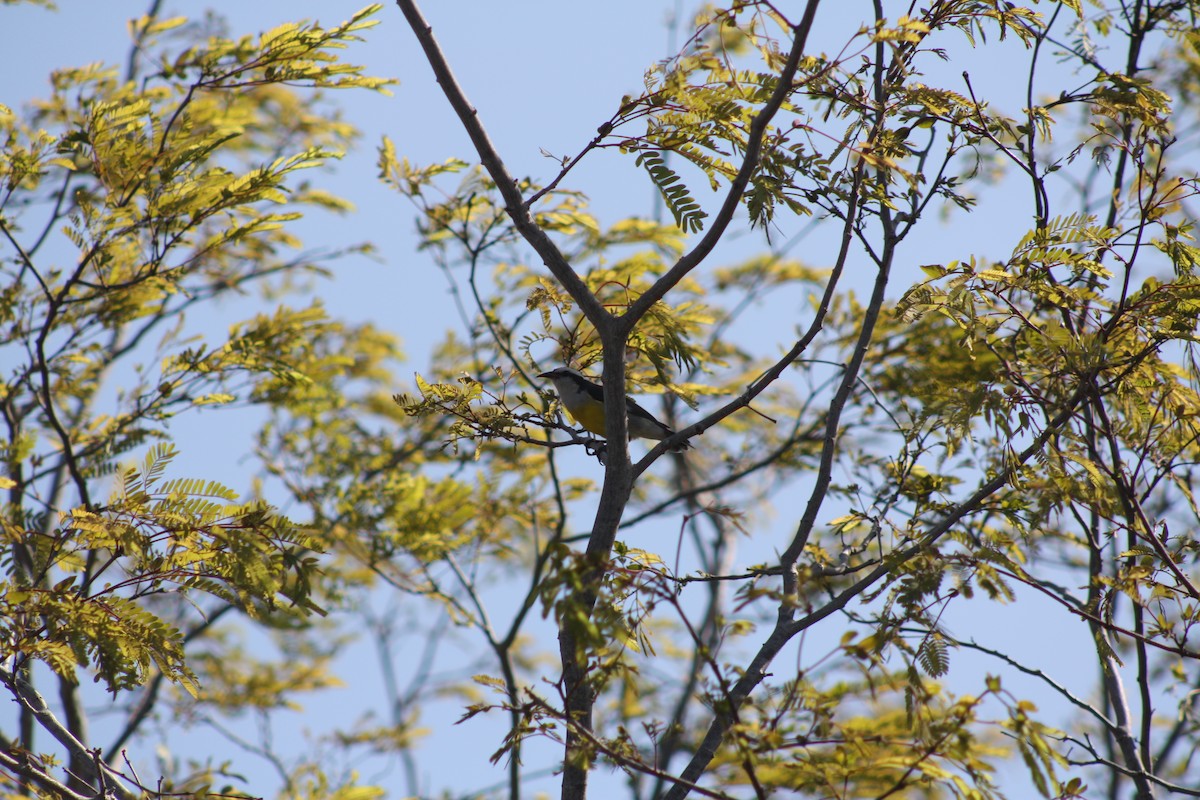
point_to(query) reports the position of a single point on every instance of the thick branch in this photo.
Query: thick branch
(490, 158)
(737, 187)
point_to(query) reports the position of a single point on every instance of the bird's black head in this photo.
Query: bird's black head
(561, 372)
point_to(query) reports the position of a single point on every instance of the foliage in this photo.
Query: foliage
(171, 189)
(949, 439)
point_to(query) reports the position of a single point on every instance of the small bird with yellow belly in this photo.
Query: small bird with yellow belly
(584, 401)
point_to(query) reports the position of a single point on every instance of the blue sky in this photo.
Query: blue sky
(543, 75)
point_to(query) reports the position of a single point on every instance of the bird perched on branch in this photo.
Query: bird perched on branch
(584, 401)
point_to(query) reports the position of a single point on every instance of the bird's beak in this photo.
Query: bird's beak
(544, 375)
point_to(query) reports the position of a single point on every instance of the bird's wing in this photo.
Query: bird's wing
(593, 391)
(596, 392)
(635, 410)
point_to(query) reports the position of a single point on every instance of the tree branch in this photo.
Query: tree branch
(737, 187)
(91, 767)
(505, 183)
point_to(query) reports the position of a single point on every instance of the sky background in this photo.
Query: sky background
(543, 75)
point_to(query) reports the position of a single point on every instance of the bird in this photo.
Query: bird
(584, 401)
